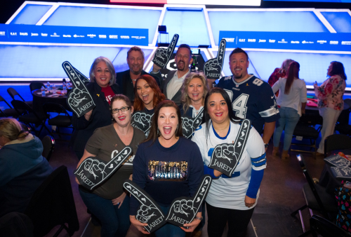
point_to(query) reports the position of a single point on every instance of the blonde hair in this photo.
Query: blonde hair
(185, 99)
(12, 129)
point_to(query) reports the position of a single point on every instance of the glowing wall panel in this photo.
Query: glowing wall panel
(190, 25)
(106, 17)
(277, 21)
(313, 67)
(31, 14)
(340, 21)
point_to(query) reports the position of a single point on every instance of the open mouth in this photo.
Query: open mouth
(167, 130)
(196, 95)
(218, 114)
(145, 97)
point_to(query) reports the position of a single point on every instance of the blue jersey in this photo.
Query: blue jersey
(252, 99)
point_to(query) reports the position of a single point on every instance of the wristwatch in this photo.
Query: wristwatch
(266, 145)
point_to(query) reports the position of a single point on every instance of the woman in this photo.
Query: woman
(194, 91)
(230, 199)
(330, 103)
(166, 147)
(292, 101)
(279, 72)
(147, 94)
(102, 87)
(22, 167)
(108, 202)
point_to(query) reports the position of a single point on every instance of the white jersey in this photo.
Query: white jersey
(228, 192)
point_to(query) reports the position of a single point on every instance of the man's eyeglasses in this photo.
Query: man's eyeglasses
(123, 109)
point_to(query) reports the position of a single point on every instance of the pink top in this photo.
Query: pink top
(330, 93)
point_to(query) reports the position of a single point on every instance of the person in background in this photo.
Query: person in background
(194, 91)
(166, 145)
(171, 86)
(230, 199)
(126, 80)
(147, 95)
(330, 102)
(101, 88)
(108, 202)
(292, 101)
(22, 167)
(279, 72)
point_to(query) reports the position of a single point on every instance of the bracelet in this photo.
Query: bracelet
(199, 218)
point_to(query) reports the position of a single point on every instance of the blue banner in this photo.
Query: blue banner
(73, 35)
(287, 40)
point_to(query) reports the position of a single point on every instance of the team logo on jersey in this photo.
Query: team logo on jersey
(226, 156)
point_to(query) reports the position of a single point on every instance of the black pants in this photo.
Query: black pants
(237, 221)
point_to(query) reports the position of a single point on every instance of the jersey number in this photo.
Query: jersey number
(257, 82)
(239, 105)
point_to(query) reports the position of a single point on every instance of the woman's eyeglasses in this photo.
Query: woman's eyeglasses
(123, 109)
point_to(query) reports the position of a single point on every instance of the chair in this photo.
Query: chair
(336, 142)
(35, 85)
(16, 224)
(29, 116)
(63, 119)
(48, 146)
(342, 125)
(316, 199)
(10, 112)
(53, 204)
(305, 129)
(12, 92)
(325, 228)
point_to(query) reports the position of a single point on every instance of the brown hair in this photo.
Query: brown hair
(12, 129)
(186, 101)
(158, 95)
(135, 48)
(292, 73)
(153, 135)
(120, 97)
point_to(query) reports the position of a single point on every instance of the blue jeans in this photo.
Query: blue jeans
(114, 221)
(169, 229)
(287, 122)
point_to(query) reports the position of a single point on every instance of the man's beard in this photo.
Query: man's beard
(135, 72)
(181, 68)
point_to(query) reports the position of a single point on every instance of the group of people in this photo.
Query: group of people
(108, 128)
(181, 94)
(292, 98)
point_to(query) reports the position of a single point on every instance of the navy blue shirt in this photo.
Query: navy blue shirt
(167, 173)
(252, 99)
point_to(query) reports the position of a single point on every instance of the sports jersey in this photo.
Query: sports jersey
(229, 193)
(252, 99)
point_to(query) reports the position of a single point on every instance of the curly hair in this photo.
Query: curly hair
(158, 95)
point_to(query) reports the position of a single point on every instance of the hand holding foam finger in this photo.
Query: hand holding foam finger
(79, 99)
(213, 67)
(163, 55)
(190, 125)
(93, 171)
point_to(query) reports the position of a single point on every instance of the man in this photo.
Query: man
(252, 98)
(126, 80)
(171, 86)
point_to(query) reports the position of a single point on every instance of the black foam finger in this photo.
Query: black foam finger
(149, 212)
(213, 67)
(163, 55)
(142, 121)
(81, 76)
(93, 171)
(190, 125)
(226, 156)
(183, 210)
(79, 99)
